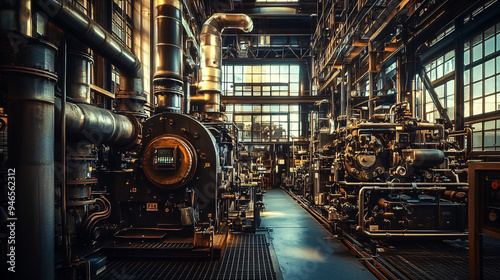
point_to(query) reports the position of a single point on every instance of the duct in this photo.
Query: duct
(100, 126)
(167, 80)
(211, 56)
(27, 72)
(77, 23)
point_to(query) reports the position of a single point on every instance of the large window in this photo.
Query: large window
(482, 73)
(121, 23)
(265, 122)
(441, 73)
(121, 27)
(261, 80)
(482, 86)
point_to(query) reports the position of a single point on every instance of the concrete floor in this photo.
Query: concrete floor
(305, 250)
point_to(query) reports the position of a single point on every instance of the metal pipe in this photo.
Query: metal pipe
(167, 80)
(16, 15)
(432, 126)
(27, 72)
(391, 184)
(186, 101)
(78, 76)
(348, 95)
(371, 78)
(65, 232)
(65, 15)
(402, 233)
(211, 56)
(100, 126)
(343, 97)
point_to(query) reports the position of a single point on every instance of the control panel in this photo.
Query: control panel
(165, 158)
(491, 189)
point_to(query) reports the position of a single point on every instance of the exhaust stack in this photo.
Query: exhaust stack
(211, 56)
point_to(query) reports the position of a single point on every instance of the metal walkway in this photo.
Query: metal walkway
(246, 257)
(304, 249)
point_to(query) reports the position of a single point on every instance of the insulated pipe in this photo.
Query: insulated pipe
(211, 56)
(78, 76)
(167, 80)
(100, 126)
(27, 73)
(66, 16)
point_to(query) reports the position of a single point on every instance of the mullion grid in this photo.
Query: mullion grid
(482, 86)
(278, 122)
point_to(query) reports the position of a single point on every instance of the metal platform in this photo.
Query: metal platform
(441, 259)
(247, 256)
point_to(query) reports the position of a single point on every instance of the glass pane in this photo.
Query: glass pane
(489, 46)
(477, 106)
(477, 140)
(477, 73)
(489, 86)
(489, 68)
(284, 69)
(489, 138)
(466, 57)
(477, 89)
(477, 52)
(489, 125)
(489, 104)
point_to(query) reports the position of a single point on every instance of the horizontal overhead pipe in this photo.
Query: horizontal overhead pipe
(69, 18)
(211, 56)
(100, 126)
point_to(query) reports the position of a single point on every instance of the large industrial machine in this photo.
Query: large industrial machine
(392, 175)
(92, 183)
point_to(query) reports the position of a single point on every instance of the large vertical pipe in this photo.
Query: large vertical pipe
(371, 77)
(343, 96)
(27, 71)
(211, 56)
(459, 84)
(167, 81)
(348, 95)
(78, 76)
(16, 15)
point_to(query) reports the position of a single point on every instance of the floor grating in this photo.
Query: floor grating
(247, 256)
(443, 260)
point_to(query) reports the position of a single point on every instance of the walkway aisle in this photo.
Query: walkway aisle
(305, 250)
